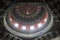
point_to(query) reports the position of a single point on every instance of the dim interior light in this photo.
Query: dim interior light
(45, 19)
(11, 19)
(39, 25)
(27, 13)
(16, 25)
(24, 27)
(31, 27)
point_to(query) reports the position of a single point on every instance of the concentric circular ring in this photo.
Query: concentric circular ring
(21, 28)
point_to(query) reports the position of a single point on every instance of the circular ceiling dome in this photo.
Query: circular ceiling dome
(27, 19)
(28, 12)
